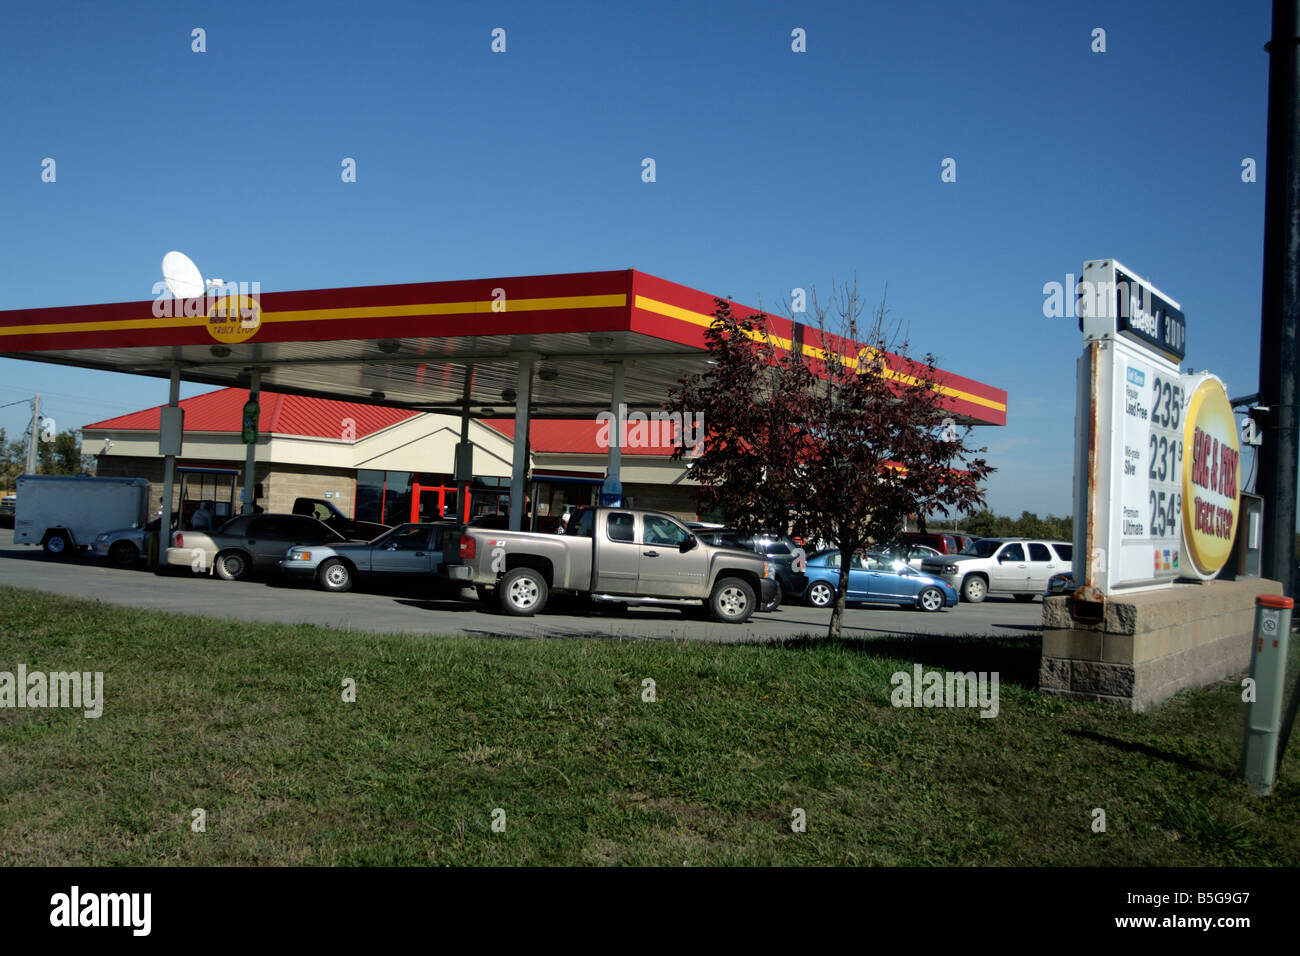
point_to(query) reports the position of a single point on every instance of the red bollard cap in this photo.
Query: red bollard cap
(1275, 601)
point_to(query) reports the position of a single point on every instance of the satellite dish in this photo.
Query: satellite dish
(182, 276)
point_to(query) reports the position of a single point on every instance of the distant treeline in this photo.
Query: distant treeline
(986, 524)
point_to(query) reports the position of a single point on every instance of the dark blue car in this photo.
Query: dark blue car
(876, 579)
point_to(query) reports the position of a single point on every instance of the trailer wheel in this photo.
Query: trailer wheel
(57, 544)
(732, 601)
(522, 592)
(231, 565)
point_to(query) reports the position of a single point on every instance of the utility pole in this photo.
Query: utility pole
(1281, 299)
(32, 458)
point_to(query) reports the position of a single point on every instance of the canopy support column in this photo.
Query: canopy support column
(250, 451)
(169, 469)
(464, 463)
(519, 473)
(611, 491)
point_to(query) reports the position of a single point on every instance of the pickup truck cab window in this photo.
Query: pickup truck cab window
(582, 524)
(621, 526)
(661, 530)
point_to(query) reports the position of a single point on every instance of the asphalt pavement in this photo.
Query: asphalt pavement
(415, 610)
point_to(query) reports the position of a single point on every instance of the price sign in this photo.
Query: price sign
(1129, 441)
(1149, 412)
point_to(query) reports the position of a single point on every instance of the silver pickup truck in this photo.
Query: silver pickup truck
(621, 555)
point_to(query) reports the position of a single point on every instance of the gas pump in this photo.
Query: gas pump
(214, 487)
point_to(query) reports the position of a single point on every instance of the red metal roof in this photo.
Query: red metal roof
(575, 436)
(222, 411)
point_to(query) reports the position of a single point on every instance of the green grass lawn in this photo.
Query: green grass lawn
(248, 722)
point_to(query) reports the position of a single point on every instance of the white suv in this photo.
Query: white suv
(1017, 566)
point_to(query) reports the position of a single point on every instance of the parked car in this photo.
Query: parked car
(912, 553)
(125, 546)
(1062, 583)
(247, 543)
(624, 556)
(787, 557)
(408, 552)
(945, 542)
(325, 512)
(1017, 566)
(8, 505)
(876, 578)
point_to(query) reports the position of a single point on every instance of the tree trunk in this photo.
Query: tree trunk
(837, 615)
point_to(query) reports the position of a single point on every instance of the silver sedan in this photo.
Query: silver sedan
(408, 552)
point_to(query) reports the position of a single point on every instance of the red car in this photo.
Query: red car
(945, 542)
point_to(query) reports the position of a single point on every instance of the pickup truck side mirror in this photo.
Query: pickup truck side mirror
(688, 545)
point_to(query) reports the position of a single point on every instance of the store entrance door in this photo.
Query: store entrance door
(433, 503)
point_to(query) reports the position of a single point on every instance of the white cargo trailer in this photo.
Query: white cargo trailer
(62, 513)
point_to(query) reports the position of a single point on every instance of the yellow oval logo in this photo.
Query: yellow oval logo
(1211, 478)
(234, 318)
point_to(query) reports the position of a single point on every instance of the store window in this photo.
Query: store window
(397, 497)
(370, 496)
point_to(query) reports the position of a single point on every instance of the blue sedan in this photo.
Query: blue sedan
(876, 578)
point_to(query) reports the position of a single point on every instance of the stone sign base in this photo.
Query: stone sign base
(1151, 644)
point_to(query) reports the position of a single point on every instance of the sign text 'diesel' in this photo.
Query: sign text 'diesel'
(1112, 300)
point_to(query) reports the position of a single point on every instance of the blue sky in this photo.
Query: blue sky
(775, 169)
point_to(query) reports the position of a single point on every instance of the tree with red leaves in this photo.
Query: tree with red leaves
(839, 441)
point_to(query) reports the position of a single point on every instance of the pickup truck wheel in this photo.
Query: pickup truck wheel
(522, 592)
(334, 575)
(931, 599)
(821, 594)
(732, 601)
(231, 565)
(123, 553)
(57, 545)
(974, 589)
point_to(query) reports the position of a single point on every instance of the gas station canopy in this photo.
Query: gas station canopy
(414, 345)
